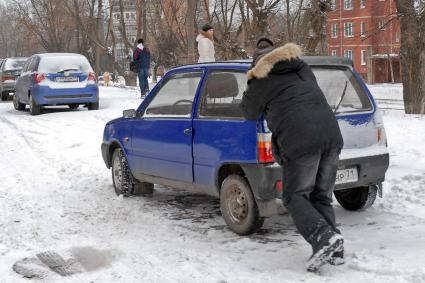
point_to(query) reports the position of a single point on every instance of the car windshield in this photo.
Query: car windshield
(14, 64)
(333, 81)
(60, 64)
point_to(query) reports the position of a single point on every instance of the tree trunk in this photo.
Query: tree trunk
(190, 21)
(412, 56)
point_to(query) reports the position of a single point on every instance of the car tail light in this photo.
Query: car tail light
(279, 186)
(381, 136)
(38, 78)
(264, 148)
(91, 77)
(7, 78)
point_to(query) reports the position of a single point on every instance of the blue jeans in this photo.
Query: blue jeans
(143, 80)
(307, 194)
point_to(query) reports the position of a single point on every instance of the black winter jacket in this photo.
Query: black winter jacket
(283, 88)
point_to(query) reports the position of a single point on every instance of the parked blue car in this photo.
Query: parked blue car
(56, 79)
(189, 133)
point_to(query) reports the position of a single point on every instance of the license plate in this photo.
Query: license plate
(66, 79)
(346, 176)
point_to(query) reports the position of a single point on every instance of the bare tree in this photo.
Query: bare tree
(411, 14)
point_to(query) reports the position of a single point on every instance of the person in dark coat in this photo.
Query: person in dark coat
(306, 142)
(142, 56)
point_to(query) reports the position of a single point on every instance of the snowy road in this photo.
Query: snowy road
(56, 195)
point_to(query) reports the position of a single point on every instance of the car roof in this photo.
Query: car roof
(57, 54)
(244, 63)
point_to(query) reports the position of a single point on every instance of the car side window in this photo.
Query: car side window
(25, 67)
(175, 97)
(32, 65)
(222, 94)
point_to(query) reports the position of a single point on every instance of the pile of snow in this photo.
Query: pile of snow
(56, 195)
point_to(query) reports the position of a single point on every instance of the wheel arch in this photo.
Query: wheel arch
(111, 148)
(228, 169)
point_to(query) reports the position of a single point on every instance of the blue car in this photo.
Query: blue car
(189, 133)
(56, 79)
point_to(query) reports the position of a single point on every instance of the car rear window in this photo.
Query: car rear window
(58, 64)
(332, 82)
(14, 64)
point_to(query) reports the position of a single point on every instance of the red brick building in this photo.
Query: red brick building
(368, 32)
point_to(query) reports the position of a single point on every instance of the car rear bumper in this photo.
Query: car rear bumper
(45, 95)
(263, 179)
(8, 86)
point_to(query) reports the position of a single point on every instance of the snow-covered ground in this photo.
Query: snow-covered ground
(56, 195)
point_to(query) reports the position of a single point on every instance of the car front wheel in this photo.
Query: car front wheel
(17, 104)
(357, 198)
(238, 206)
(124, 183)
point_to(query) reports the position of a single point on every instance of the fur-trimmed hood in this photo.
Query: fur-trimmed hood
(266, 63)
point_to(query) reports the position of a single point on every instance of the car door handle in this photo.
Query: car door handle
(187, 131)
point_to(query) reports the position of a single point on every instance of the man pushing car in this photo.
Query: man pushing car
(306, 142)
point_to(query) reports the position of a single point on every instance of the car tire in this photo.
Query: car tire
(357, 198)
(17, 104)
(93, 106)
(35, 109)
(73, 106)
(238, 206)
(124, 183)
(4, 95)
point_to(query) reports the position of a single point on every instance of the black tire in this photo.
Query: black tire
(124, 183)
(4, 95)
(93, 106)
(356, 198)
(17, 103)
(73, 106)
(238, 206)
(35, 109)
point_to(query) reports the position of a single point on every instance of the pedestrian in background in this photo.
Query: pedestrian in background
(142, 56)
(306, 142)
(205, 41)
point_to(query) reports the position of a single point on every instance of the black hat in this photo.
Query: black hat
(265, 42)
(206, 27)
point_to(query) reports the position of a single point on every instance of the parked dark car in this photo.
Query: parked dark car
(56, 79)
(189, 133)
(9, 72)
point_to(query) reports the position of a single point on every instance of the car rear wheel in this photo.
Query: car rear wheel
(17, 104)
(4, 95)
(238, 206)
(73, 106)
(357, 198)
(93, 106)
(124, 183)
(35, 109)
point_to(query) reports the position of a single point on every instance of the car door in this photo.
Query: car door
(19, 85)
(162, 137)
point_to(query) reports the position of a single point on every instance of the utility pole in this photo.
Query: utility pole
(99, 35)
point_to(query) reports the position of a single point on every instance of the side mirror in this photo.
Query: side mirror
(129, 114)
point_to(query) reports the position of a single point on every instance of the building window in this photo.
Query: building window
(333, 5)
(333, 53)
(362, 3)
(348, 54)
(397, 37)
(348, 30)
(363, 57)
(381, 25)
(348, 4)
(334, 30)
(362, 29)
